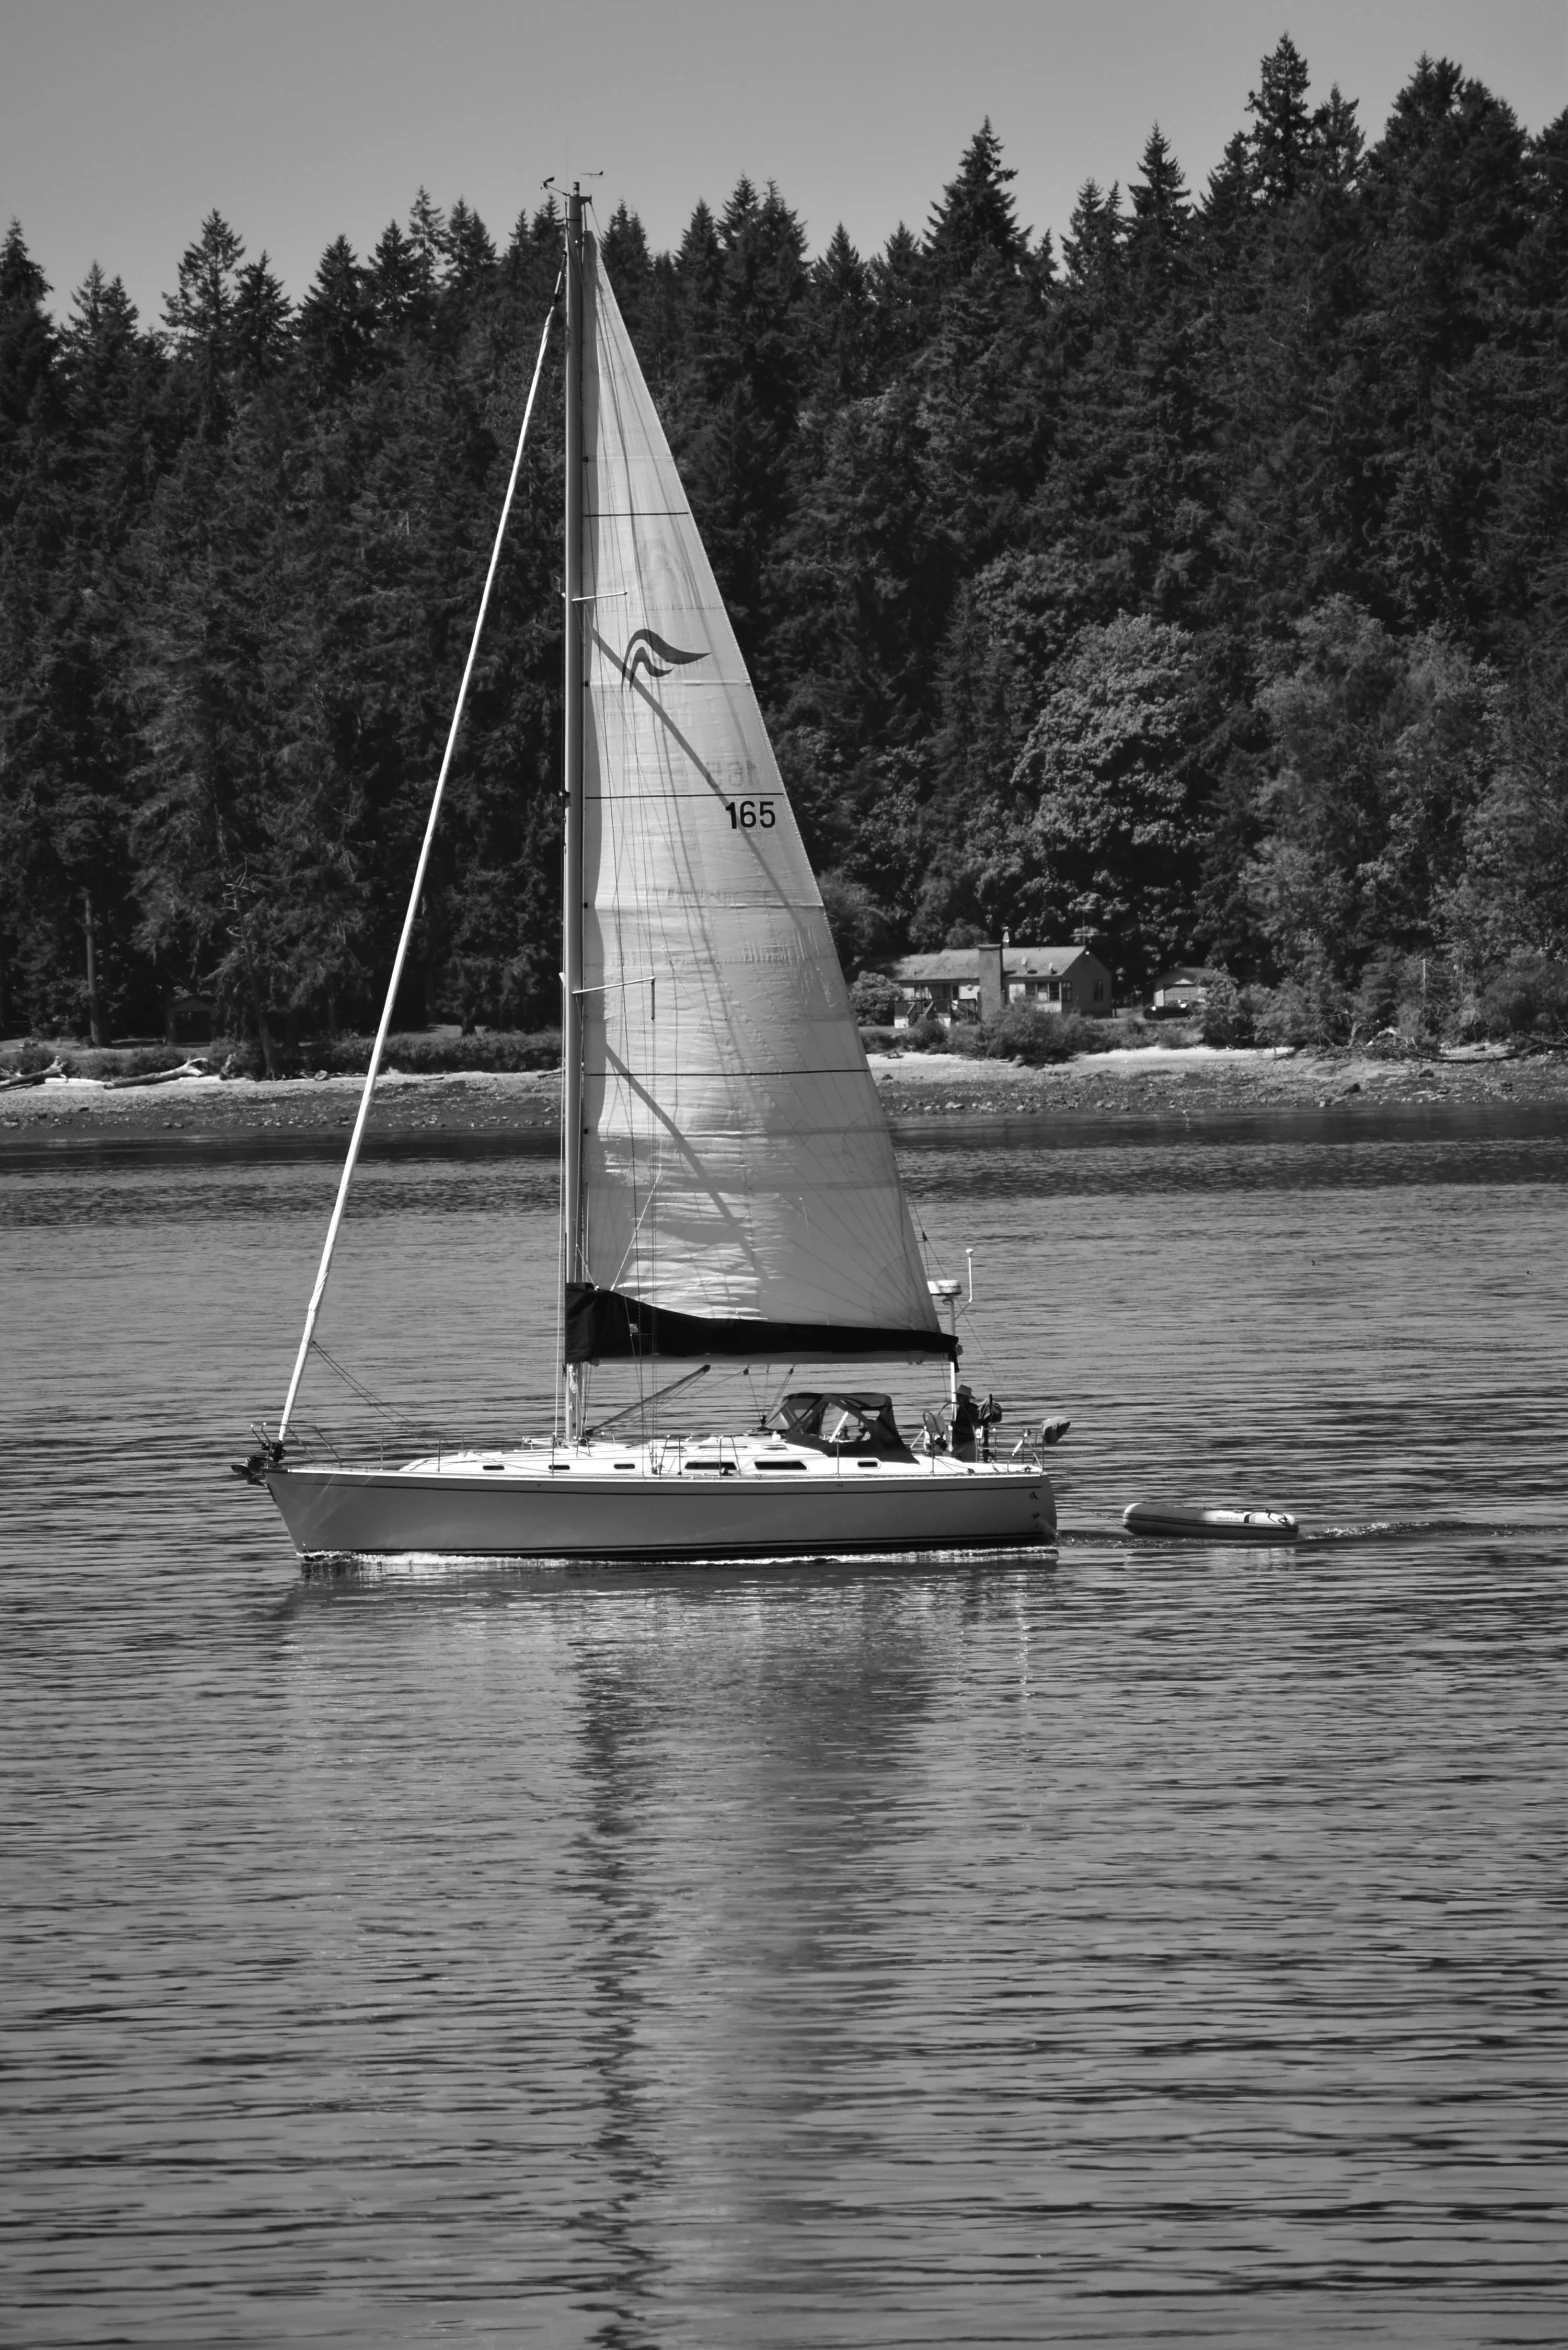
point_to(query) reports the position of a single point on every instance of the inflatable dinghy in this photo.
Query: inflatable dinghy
(1181, 1521)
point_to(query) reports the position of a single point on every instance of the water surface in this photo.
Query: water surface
(1157, 1945)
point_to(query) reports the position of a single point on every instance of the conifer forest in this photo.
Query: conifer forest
(1196, 587)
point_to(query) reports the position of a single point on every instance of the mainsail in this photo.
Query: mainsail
(739, 1195)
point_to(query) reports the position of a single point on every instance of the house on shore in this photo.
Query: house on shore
(188, 1019)
(1183, 988)
(976, 983)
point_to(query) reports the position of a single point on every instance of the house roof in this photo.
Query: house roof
(1042, 962)
(959, 963)
(963, 964)
(1181, 975)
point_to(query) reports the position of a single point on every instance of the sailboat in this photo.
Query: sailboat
(729, 1194)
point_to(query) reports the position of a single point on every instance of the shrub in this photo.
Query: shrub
(924, 1036)
(136, 1060)
(1528, 997)
(874, 999)
(1404, 1003)
(110, 1060)
(1024, 1033)
(1279, 1014)
(415, 1053)
(29, 1056)
(418, 1052)
(1310, 1010)
(1226, 1017)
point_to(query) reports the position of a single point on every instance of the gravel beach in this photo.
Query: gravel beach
(1152, 1082)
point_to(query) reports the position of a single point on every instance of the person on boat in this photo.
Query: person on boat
(972, 1421)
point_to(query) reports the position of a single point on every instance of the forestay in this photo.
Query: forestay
(740, 1195)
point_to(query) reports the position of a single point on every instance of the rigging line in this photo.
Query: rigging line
(639, 1218)
(358, 1135)
(644, 1402)
(393, 1411)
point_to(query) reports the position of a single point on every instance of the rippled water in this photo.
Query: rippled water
(1161, 1945)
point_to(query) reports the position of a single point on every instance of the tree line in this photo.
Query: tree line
(1199, 590)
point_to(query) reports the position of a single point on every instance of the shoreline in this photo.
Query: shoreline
(1160, 1083)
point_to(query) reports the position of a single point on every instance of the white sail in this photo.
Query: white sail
(736, 1163)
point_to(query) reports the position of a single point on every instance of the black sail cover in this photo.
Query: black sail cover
(603, 1325)
(739, 1196)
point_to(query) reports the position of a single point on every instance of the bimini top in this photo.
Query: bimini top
(841, 1423)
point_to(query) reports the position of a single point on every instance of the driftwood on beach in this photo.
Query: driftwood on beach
(195, 1068)
(20, 1078)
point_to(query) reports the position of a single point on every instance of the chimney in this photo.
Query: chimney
(993, 990)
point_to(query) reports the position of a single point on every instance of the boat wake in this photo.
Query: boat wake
(1355, 1531)
(1434, 1530)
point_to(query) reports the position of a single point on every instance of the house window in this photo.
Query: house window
(1067, 991)
(1053, 989)
(1099, 991)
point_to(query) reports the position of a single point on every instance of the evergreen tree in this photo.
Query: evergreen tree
(263, 326)
(200, 317)
(1091, 252)
(26, 337)
(901, 307)
(336, 321)
(427, 240)
(1227, 210)
(470, 253)
(1287, 302)
(1157, 235)
(842, 315)
(976, 220)
(984, 371)
(1447, 189)
(741, 407)
(629, 267)
(394, 282)
(1281, 138)
(1135, 483)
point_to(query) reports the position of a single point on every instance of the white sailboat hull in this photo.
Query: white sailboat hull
(584, 1514)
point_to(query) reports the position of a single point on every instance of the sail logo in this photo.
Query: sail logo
(646, 651)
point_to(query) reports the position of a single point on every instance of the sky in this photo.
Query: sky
(123, 123)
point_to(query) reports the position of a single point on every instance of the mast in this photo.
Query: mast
(572, 890)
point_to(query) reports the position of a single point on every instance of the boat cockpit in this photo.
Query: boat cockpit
(837, 1423)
